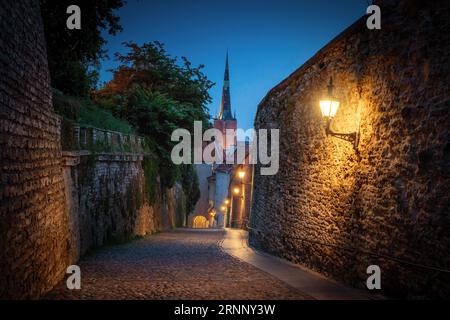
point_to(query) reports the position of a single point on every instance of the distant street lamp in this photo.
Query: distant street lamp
(227, 201)
(329, 106)
(241, 174)
(236, 190)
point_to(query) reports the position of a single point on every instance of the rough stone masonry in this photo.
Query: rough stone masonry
(34, 246)
(54, 205)
(339, 211)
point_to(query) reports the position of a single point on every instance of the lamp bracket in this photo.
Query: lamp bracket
(352, 137)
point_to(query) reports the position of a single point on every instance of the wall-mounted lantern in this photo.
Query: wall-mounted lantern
(236, 190)
(241, 174)
(227, 201)
(329, 106)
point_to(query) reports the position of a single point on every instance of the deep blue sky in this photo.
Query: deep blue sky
(267, 39)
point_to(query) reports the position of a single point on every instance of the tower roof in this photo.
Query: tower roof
(225, 104)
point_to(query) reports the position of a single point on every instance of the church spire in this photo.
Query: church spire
(225, 105)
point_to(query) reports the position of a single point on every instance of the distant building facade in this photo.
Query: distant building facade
(221, 204)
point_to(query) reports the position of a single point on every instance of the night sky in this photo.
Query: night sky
(266, 39)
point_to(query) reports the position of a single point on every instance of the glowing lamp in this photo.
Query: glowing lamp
(227, 201)
(329, 106)
(236, 190)
(223, 208)
(241, 174)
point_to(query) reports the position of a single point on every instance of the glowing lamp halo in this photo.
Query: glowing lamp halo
(329, 107)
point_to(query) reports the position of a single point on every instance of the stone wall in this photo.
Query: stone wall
(108, 203)
(54, 205)
(34, 236)
(338, 210)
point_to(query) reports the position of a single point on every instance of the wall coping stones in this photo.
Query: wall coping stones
(72, 158)
(85, 137)
(120, 157)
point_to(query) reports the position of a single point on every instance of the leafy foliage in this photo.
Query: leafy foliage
(84, 111)
(156, 116)
(189, 181)
(151, 67)
(151, 172)
(73, 55)
(157, 94)
(150, 90)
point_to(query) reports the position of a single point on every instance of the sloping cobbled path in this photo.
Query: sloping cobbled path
(179, 264)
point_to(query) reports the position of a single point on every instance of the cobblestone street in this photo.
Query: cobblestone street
(180, 264)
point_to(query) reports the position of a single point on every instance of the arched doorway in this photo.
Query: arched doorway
(200, 222)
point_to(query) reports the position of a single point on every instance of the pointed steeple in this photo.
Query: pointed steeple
(225, 105)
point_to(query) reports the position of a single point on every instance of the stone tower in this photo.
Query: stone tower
(226, 120)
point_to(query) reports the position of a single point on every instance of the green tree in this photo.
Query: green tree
(157, 94)
(74, 55)
(152, 68)
(156, 116)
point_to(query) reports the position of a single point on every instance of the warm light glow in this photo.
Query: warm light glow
(223, 208)
(241, 174)
(236, 190)
(227, 201)
(199, 222)
(329, 107)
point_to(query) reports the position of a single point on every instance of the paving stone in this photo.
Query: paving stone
(173, 265)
